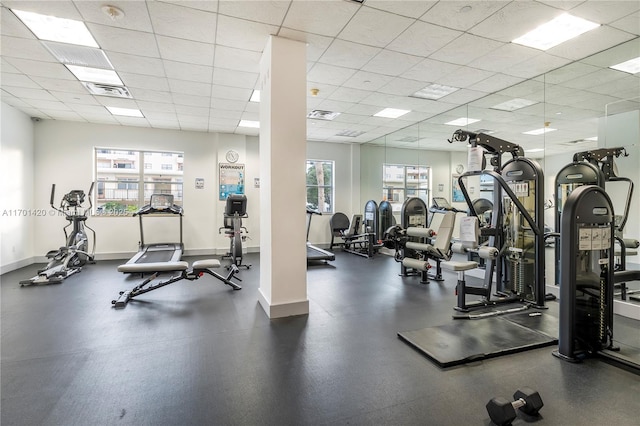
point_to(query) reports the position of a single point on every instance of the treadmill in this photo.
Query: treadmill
(159, 205)
(316, 253)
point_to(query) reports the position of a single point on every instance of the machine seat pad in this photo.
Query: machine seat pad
(206, 264)
(153, 267)
(459, 266)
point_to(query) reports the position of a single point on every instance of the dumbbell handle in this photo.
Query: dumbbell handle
(518, 403)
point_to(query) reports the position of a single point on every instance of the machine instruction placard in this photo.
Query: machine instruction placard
(594, 238)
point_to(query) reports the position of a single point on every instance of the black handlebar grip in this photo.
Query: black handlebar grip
(53, 193)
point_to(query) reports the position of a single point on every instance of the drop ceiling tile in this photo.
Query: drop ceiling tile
(330, 74)
(465, 49)
(347, 94)
(190, 100)
(46, 104)
(62, 115)
(628, 86)
(411, 9)
(495, 83)
(195, 119)
(513, 20)
(335, 106)
(349, 118)
(630, 23)
(251, 108)
(316, 18)
(237, 59)
(268, 12)
(173, 20)
(615, 55)
(84, 109)
(232, 93)
(423, 39)
(233, 78)
(374, 27)
(167, 108)
(159, 115)
(9, 99)
(188, 51)
(537, 65)
(367, 81)
(605, 12)
(325, 90)
(594, 79)
(124, 41)
(41, 69)
(184, 110)
(464, 77)
(242, 34)
(117, 102)
(455, 14)
(131, 121)
(27, 94)
(430, 70)
(391, 63)
(32, 49)
(505, 56)
(164, 123)
(123, 62)
(150, 95)
(60, 8)
(402, 87)
(589, 43)
(225, 114)
(228, 104)
(316, 44)
(12, 26)
(189, 87)
(136, 15)
(348, 54)
(53, 84)
(17, 80)
(144, 81)
(208, 5)
(569, 72)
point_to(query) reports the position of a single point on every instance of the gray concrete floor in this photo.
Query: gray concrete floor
(199, 353)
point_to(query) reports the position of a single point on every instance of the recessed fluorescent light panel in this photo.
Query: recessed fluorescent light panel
(558, 30)
(95, 75)
(391, 113)
(539, 131)
(255, 96)
(50, 28)
(534, 150)
(632, 66)
(434, 91)
(127, 112)
(463, 121)
(514, 104)
(249, 123)
(318, 114)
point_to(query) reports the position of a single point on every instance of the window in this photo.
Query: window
(400, 182)
(123, 186)
(320, 185)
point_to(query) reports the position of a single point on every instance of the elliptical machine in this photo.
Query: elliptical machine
(69, 259)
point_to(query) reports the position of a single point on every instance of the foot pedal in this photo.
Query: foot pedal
(122, 300)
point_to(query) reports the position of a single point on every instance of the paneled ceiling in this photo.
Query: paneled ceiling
(192, 65)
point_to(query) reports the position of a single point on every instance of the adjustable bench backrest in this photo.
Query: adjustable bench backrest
(445, 232)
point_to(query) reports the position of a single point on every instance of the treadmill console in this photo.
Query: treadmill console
(441, 203)
(236, 203)
(161, 201)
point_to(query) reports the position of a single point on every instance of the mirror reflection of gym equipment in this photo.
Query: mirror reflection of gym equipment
(360, 235)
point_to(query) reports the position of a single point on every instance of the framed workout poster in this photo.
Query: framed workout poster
(231, 179)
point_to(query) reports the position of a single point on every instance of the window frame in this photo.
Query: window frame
(312, 163)
(137, 178)
(415, 187)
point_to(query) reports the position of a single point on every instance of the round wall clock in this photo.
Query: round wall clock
(232, 156)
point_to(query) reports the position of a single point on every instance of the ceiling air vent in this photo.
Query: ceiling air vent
(318, 114)
(350, 133)
(107, 90)
(71, 54)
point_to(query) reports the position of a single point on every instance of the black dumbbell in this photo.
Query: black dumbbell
(503, 412)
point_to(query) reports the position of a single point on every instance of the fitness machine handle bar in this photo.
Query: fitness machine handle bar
(490, 143)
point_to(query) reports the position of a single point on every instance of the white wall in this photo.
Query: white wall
(16, 193)
(64, 156)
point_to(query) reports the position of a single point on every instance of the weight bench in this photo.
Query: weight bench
(199, 268)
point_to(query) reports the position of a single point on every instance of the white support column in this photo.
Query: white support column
(283, 147)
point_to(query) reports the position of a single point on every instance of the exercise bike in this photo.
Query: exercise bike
(235, 210)
(69, 259)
